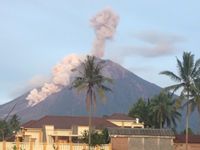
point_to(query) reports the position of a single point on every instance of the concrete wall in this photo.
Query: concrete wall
(181, 146)
(142, 143)
(33, 134)
(119, 143)
(150, 143)
(62, 132)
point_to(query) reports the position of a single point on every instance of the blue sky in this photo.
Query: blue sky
(35, 35)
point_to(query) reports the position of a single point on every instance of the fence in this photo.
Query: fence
(42, 146)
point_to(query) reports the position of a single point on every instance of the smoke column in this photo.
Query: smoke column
(61, 76)
(104, 24)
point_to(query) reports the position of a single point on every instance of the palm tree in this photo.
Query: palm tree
(188, 74)
(194, 101)
(163, 110)
(91, 81)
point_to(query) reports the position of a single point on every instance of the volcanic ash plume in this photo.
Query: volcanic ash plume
(61, 76)
(104, 24)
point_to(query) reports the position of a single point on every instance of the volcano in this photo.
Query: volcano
(126, 89)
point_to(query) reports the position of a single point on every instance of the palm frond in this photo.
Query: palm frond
(105, 88)
(171, 75)
(195, 71)
(188, 63)
(108, 80)
(174, 88)
(101, 93)
(180, 69)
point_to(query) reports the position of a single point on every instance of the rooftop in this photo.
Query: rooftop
(66, 122)
(119, 116)
(140, 131)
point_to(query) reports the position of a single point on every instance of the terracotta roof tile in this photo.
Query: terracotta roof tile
(66, 122)
(29, 123)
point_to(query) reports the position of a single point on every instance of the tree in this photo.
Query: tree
(190, 132)
(141, 110)
(91, 81)
(188, 74)
(14, 123)
(163, 110)
(4, 130)
(7, 128)
(98, 138)
(157, 112)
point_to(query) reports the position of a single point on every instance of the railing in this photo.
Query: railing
(43, 146)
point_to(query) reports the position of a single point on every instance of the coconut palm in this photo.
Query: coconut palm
(92, 81)
(164, 111)
(194, 101)
(188, 74)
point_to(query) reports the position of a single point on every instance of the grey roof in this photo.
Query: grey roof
(140, 131)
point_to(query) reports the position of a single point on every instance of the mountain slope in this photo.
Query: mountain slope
(127, 88)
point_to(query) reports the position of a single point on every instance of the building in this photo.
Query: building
(141, 139)
(124, 121)
(50, 129)
(193, 142)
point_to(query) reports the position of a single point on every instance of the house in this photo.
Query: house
(52, 129)
(124, 121)
(141, 139)
(193, 142)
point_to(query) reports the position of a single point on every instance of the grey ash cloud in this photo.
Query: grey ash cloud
(149, 44)
(159, 43)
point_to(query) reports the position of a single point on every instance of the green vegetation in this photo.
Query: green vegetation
(15, 148)
(97, 138)
(164, 111)
(187, 79)
(141, 110)
(91, 81)
(158, 112)
(190, 132)
(7, 128)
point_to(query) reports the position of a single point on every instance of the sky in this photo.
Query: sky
(35, 35)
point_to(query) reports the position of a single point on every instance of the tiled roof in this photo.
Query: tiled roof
(191, 139)
(66, 122)
(119, 116)
(29, 123)
(140, 131)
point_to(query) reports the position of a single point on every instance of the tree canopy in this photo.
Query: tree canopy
(10, 127)
(158, 112)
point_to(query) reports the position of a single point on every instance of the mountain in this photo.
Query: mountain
(126, 89)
